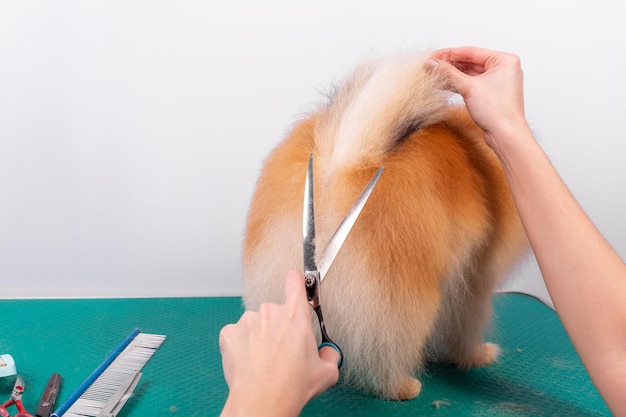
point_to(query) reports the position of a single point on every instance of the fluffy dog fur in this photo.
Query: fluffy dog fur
(438, 234)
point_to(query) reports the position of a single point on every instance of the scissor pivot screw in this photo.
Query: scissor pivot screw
(309, 281)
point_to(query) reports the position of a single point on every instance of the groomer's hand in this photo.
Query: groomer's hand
(270, 357)
(492, 86)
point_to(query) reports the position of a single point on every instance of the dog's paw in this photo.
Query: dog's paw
(409, 388)
(484, 354)
(481, 354)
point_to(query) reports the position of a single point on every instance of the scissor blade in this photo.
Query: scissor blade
(308, 221)
(18, 388)
(340, 235)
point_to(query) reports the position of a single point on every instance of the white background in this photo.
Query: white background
(132, 132)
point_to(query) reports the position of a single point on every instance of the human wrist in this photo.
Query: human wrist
(244, 403)
(509, 138)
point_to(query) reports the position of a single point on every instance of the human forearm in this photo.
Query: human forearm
(585, 277)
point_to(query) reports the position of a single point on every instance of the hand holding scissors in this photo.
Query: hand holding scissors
(313, 276)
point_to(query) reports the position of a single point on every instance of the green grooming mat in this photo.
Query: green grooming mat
(538, 373)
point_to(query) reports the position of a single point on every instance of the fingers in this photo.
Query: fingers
(224, 336)
(465, 55)
(456, 79)
(229, 340)
(469, 68)
(330, 355)
(460, 65)
(476, 61)
(232, 332)
(295, 293)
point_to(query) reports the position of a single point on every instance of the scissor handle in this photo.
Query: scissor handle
(336, 347)
(327, 341)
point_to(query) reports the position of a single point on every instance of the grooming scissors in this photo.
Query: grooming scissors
(15, 399)
(313, 276)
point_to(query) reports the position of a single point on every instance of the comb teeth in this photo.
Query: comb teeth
(112, 388)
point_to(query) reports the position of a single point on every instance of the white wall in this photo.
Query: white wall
(131, 132)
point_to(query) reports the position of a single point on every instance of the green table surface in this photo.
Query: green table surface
(538, 374)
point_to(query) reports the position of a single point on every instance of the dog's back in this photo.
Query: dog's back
(438, 233)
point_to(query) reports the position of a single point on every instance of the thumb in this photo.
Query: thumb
(456, 78)
(330, 355)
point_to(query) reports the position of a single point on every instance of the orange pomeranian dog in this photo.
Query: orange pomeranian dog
(438, 234)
